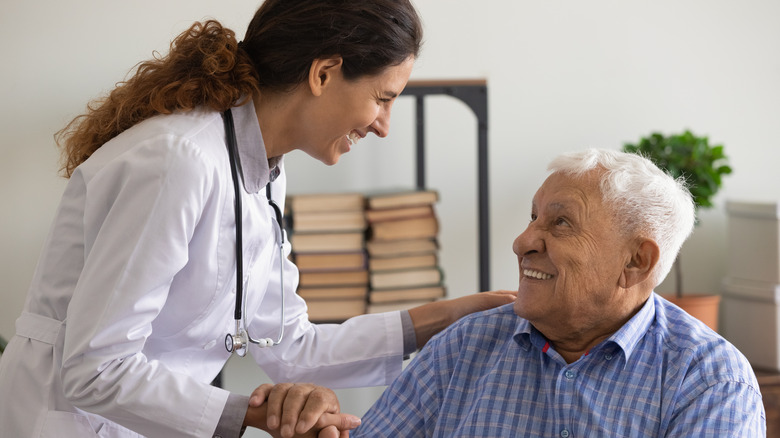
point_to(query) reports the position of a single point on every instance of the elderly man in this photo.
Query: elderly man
(588, 349)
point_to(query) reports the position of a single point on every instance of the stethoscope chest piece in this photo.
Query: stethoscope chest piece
(236, 343)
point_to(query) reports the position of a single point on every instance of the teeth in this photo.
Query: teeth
(536, 274)
(353, 137)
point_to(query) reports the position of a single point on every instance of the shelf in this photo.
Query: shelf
(472, 92)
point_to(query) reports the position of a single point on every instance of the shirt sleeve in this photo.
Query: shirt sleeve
(232, 419)
(409, 407)
(729, 408)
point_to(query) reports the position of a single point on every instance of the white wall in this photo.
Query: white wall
(562, 75)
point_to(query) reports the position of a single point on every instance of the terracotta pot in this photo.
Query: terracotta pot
(702, 307)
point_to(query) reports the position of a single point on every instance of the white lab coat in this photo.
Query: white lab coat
(125, 320)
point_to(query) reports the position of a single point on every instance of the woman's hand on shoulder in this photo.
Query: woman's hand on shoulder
(431, 318)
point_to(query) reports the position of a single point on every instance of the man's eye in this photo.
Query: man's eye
(561, 221)
(533, 217)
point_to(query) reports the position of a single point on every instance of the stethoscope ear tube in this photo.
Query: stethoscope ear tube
(230, 134)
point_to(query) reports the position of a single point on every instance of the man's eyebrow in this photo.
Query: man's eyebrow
(559, 206)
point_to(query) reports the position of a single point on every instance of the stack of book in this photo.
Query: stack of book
(327, 238)
(402, 250)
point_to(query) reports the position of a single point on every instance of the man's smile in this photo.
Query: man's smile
(536, 274)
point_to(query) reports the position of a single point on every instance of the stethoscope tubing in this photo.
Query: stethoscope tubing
(238, 342)
(230, 133)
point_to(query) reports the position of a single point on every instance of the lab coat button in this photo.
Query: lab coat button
(210, 345)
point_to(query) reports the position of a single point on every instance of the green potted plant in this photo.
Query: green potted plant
(701, 165)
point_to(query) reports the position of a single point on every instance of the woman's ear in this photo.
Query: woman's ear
(641, 265)
(322, 73)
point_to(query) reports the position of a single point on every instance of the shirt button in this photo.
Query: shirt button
(569, 375)
(608, 356)
(565, 433)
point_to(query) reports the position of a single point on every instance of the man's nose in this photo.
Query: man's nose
(528, 242)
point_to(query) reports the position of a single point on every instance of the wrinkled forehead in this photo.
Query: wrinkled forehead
(564, 187)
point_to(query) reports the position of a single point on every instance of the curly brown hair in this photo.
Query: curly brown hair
(206, 66)
(203, 68)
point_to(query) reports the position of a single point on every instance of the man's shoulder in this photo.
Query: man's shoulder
(684, 336)
(507, 311)
(489, 322)
(681, 331)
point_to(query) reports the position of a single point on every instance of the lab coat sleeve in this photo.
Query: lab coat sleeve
(141, 211)
(366, 350)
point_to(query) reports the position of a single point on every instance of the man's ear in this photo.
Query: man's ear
(322, 72)
(641, 265)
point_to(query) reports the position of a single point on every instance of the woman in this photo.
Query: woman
(127, 313)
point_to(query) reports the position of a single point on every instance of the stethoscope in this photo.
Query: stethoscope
(238, 342)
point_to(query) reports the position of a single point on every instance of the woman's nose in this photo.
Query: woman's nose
(381, 125)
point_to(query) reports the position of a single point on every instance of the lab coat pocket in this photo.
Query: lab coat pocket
(60, 424)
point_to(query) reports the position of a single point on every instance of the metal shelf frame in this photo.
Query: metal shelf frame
(474, 94)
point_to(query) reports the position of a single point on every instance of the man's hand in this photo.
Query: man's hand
(431, 318)
(300, 410)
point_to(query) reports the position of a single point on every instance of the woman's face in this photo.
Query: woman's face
(347, 111)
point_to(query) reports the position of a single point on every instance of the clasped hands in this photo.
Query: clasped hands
(298, 410)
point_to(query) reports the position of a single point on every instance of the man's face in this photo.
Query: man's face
(571, 258)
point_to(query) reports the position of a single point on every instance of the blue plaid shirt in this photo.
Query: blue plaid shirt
(492, 374)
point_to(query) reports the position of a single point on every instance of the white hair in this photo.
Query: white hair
(647, 201)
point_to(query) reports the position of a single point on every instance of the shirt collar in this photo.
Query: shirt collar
(627, 337)
(253, 159)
